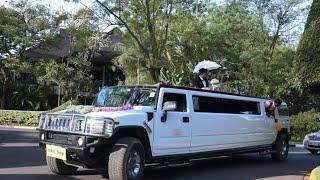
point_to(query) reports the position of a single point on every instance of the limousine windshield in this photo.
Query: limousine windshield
(121, 95)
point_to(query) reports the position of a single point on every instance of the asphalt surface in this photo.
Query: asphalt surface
(21, 159)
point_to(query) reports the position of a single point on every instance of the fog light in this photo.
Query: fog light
(80, 141)
(42, 137)
(91, 149)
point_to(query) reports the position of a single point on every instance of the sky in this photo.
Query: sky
(72, 7)
(60, 5)
(69, 6)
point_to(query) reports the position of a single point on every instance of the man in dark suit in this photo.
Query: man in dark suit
(201, 80)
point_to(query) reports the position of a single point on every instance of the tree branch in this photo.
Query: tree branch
(126, 26)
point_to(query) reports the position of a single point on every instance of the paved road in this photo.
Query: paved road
(21, 159)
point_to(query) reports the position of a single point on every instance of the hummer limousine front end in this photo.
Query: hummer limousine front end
(75, 138)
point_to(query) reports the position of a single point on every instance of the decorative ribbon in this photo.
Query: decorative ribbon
(87, 109)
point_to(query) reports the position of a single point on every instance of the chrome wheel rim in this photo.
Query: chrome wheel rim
(134, 164)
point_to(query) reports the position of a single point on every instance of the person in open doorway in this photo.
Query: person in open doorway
(271, 105)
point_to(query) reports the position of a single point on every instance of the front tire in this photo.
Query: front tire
(313, 151)
(126, 161)
(280, 148)
(57, 166)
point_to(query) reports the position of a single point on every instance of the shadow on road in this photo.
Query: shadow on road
(21, 155)
(33, 177)
(18, 136)
(101, 173)
(14, 157)
(237, 167)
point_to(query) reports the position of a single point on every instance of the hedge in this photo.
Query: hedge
(19, 117)
(304, 123)
(28, 117)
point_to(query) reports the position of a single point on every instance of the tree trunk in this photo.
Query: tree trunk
(4, 94)
(5, 84)
(59, 95)
(155, 72)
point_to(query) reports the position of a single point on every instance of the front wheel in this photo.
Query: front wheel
(313, 151)
(126, 161)
(57, 166)
(280, 148)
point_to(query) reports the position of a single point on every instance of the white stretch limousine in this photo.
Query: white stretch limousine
(130, 126)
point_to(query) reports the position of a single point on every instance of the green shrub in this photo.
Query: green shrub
(304, 123)
(19, 117)
(28, 117)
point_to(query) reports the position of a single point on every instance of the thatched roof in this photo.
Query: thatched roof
(61, 47)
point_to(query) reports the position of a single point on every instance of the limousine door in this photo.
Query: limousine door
(172, 133)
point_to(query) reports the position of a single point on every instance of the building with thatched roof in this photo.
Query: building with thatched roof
(103, 69)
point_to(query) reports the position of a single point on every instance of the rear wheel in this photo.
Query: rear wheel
(313, 151)
(126, 160)
(280, 148)
(57, 166)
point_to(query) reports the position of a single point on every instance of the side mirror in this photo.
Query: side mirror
(168, 106)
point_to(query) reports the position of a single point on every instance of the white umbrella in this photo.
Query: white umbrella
(209, 65)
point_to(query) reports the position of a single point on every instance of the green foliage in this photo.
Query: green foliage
(19, 117)
(172, 78)
(73, 76)
(308, 65)
(256, 60)
(26, 97)
(22, 25)
(28, 117)
(313, 13)
(72, 73)
(178, 77)
(304, 123)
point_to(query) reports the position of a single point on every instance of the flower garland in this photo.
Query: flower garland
(87, 109)
(113, 109)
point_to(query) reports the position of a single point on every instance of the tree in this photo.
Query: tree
(146, 24)
(307, 67)
(71, 73)
(22, 26)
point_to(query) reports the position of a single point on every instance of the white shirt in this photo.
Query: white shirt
(203, 82)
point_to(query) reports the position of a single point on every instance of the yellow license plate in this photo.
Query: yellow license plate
(56, 152)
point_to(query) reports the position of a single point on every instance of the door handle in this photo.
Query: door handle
(185, 119)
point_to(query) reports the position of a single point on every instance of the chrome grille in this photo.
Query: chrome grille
(314, 138)
(63, 122)
(77, 123)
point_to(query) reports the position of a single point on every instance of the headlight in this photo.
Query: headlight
(99, 126)
(80, 141)
(306, 137)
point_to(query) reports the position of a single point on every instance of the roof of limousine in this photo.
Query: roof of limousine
(191, 89)
(208, 91)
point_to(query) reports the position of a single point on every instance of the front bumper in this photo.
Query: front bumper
(311, 144)
(92, 153)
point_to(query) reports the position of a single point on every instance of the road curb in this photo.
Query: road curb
(19, 127)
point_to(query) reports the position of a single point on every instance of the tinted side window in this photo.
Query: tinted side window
(220, 105)
(179, 98)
